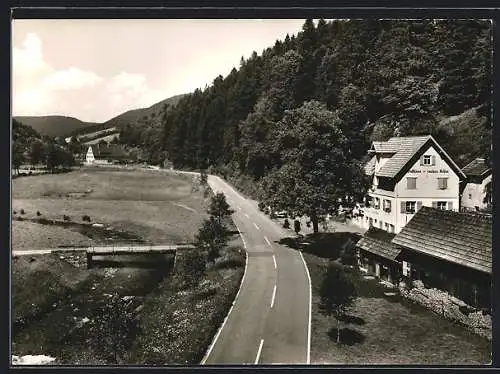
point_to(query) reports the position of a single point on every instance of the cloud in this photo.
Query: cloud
(72, 78)
(39, 89)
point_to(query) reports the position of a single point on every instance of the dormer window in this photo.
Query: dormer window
(427, 160)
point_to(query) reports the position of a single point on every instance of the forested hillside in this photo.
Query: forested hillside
(374, 79)
(54, 125)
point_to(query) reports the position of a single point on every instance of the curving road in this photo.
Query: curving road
(270, 321)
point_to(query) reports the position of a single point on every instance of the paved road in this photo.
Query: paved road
(101, 249)
(270, 319)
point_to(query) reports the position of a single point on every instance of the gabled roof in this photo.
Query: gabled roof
(108, 151)
(384, 147)
(378, 242)
(476, 168)
(460, 238)
(370, 166)
(405, 149)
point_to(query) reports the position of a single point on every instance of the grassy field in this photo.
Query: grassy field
(56, 299)
(159, 207)
(384, 329)
(29, 235)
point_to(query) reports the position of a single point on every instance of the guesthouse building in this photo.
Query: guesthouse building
(407, 173)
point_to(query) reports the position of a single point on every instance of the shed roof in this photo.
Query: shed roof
(476, 168)
(460, 238)
(378, 242)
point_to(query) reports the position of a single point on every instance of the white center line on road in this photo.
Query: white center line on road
(258, 352)
(246, 215)
(257, 227)
(267, 240)
(274, 260)
(274, 295)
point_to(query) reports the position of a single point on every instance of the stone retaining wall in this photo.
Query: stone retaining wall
(448, 306)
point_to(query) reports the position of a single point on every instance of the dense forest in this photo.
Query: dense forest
(378, 79)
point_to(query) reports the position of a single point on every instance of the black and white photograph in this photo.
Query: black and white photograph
(302, 191)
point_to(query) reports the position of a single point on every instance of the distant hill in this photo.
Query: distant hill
(54, 125)
(135, 115)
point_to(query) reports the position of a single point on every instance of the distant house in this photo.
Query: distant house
(105, 154)
(479, 176)
(407, 173)
(450, 251)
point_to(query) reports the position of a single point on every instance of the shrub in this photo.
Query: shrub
(261, 206)
(66, 218)
(348, 256)
(337, 294)
(203, 178)
(43, 221)
(85, 218)
(38, 214)
(112, 329)
(191, 266)
(296, 226)
(272, 215)
(212, 237)
(22, 211)
(286, 224)
(219, 208)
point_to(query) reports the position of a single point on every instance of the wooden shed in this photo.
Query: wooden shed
(450, 251)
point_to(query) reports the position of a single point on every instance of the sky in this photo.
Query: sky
(96, 69)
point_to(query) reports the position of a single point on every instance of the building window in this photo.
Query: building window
(411, 183)
(376, 203)
(410, 206)
(391, 228)
(442, 183)
(387, 206)
(470, 196)
(427, 160)
(386, 227)
(441, 205)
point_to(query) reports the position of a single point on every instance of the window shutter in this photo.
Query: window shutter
(450, 205)
(435, 204)
(403, 206)
(419, 205)
(422, 160)
(445, 183)
(433, 160)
